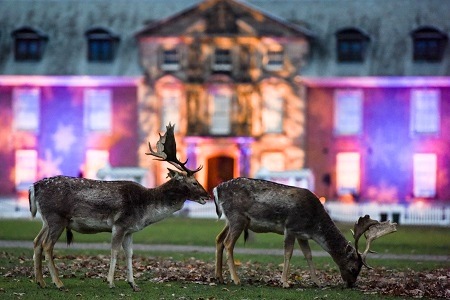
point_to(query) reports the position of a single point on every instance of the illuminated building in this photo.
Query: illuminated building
(357, 95)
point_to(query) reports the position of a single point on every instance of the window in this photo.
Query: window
(170, 109)
(95, 160)
(220, 117)
(425, 116)
(101, 45)
(347, 173)
(26, 109)
(348, 112)
(26, 168)
(351, 45)
(170, 60)
(275, 60)
(273, 109)
(29, 44)
(425, 170)
(273, 161)
(98, 110)
(428, 44)
(222, 60)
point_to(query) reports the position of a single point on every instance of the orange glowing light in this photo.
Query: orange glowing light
(322, 200)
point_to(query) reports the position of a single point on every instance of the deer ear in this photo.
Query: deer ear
(173, 174)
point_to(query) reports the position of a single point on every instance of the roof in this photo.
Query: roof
(388, 23)
(224, 17)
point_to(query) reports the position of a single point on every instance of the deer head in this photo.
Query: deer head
(166, 150)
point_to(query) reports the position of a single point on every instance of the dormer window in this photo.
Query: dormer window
(351, 45)
(29, 44)
(101, 45)
(170, 60)
(428, 44)
(222, 60)
(275, 60)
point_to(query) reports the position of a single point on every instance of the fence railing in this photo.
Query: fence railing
(344, 212)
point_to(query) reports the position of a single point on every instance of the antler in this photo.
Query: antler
(166, 150)
(374, 232)
(361, 226)
(372, 229)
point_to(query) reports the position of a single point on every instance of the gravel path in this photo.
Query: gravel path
(206, 249)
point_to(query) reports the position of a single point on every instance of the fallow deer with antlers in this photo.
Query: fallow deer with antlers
(265, 206)
(119, 207)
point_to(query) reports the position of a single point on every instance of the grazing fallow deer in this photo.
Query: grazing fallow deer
(119, 207)
(264, 206)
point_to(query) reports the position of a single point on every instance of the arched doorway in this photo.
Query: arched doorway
(220, 169)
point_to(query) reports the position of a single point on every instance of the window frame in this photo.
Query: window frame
(220, 105)
(101, 45)
(344, 123)
(93, 114)
(26, 168)
(428, 44)
(356, 43)
(170, 109)
(26, 116)
(29, 44)
(425, 118)
(95, 159)
(344, 167)
(275, 59)
(222, 60)
(170, 59)
(425, 167)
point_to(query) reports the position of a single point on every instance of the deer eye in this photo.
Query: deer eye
(195, 183)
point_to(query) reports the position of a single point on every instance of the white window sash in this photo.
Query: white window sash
(220, 121)
(170, 60)
(170, 111)
(98, 110)
(425, 111)
(26, 109)
(425, 174)
(26, 166)
(272, 114)
(95, 160)
(348, 112)
(348, 173)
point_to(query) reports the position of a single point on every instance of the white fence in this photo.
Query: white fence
(343, 212)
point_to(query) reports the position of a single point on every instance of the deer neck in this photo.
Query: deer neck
(334, 242)
(172, 194)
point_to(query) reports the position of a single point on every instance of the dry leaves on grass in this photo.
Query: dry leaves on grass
(409, 283)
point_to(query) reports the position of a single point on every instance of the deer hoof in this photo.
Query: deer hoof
(220, 279)
(41, 284)
(286, 285)
(111, 285)
(134, 287)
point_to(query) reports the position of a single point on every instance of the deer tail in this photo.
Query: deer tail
(69, 236)
(216, 202)
(32, 201)
(245, 235)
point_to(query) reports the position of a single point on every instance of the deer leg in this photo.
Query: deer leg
(127, 247)
(37, 256)
(49, 243)
(229, 243)
(289, 240)
(116, 241)
(219, 252)
(304, 246)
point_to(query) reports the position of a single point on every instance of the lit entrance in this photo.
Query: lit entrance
(220, 169)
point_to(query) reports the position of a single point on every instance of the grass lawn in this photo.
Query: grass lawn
(174, 275)
(202, 232)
